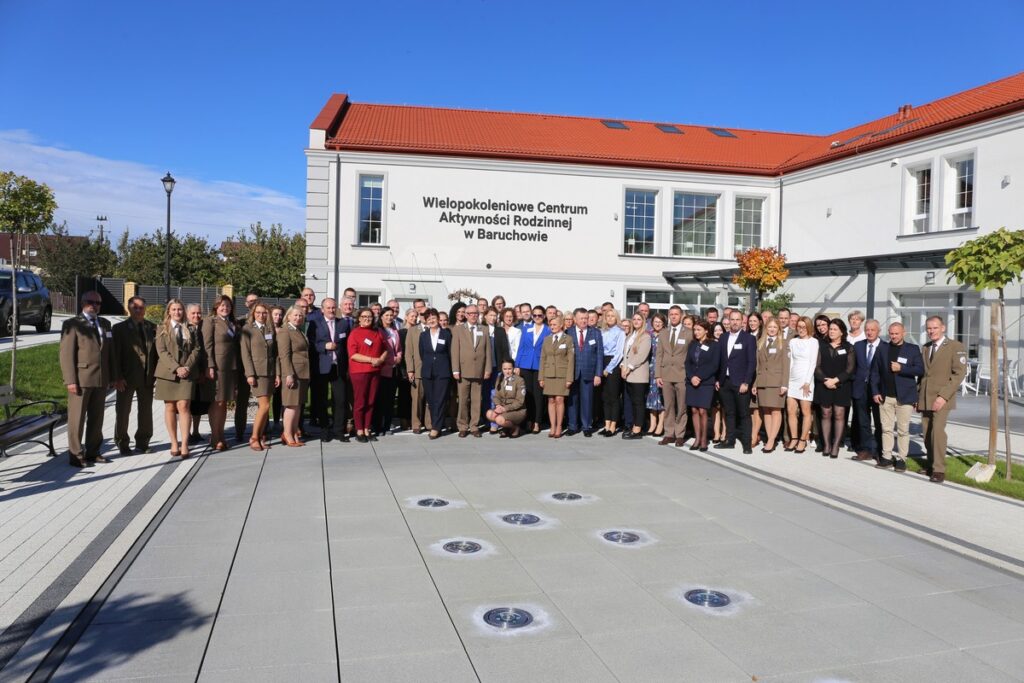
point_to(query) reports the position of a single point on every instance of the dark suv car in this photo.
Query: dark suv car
(34, 306)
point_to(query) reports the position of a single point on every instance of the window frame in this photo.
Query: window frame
(719, 215)
(911, 199)
(356, 237)
(762, 240)
(656, 191)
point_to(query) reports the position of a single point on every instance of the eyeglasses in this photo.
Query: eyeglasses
(538, 315)
(366, 317)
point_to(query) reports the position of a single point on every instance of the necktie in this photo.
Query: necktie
(581, 340)
(771, 341)
(672, 339)
(142, 335)
(181, 342)
(330, 328)
(871, 352)
(96, 325)
(931, 352)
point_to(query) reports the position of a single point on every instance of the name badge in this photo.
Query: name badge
(772, 350)
(680, 342)
(593, 342)
(737, 346)
(440, 342)
(561, 346)
(705, 347)
(268, 336)
(508, 387)
(109, 335)
(841, 352)
(902, 360)
(342, 335)
(368, 342)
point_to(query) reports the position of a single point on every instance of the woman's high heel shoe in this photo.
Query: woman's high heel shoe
(790, 445)
(255, 444)
(798, 449)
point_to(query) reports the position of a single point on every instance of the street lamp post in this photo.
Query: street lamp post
(168, 182)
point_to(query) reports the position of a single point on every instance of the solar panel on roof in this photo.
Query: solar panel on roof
(892, 128)
(618, 125)
(668, 128)
(853, 139)
(722, 132)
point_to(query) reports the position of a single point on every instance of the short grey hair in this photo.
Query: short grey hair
(855, 314)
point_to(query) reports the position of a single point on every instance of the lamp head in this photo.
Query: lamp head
(168, 182)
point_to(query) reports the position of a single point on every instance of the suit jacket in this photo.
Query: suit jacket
(512, 399)
(862, 373)
(670, 361)
(528, 356)
(471, 353)
(220, 341)
(259, 354)
(638, 359)
(170, 356)
(413, 360)
(943, 373)
(85, 360)
(589, 359)
(436, 364)
(704, 360)
(502, 349)
(741, 364)
(911, 368)
(293, 353)
(557, 359)
(318, 334)
(134, 360)
(772, 363)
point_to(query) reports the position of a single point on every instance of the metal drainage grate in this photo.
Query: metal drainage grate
(563, 495)
(432, 502)
(462, 547)
(521, 518)
(508, 617)
(707, 598)
(624, 537)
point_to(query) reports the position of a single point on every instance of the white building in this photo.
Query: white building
(413, 202)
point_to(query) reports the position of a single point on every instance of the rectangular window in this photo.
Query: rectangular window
(747, 226)
(922, 199)
(694, 224)
(661, 300)
(638, 226)
(963, 193)
(371, 209)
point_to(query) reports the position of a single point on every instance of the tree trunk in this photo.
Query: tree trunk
(15, 253)
(1005, 383)
(993, 401)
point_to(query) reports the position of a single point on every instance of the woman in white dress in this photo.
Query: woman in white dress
(803, 357)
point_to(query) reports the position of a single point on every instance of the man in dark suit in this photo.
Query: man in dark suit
(735, 377)
(868, 351)
(436, 364)
(894, 389)
(86, 353)
(328, 336)
(134, 375)
(586, 373)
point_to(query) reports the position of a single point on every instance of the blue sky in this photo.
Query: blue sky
(94, 97)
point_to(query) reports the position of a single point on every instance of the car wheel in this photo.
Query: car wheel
(44, 325)
(8, 325)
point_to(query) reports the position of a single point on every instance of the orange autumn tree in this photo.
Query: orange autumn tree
(762, 271)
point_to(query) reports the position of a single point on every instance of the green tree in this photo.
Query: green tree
(992, 261)
(62, 258)
(267, 261)
(26, 208)
(193, 260)
(776, 303)
(141, 259)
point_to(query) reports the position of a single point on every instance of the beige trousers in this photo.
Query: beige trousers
(895, 427)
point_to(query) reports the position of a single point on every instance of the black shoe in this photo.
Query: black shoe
(372, 437)
(124, 450)
(884, 463)
(703, 449)
(326, 437)
(899, 465)
(609, 434)
(344, 438)
(141, 450)
(748, 451)
(587, 433)
(631, 435)
(361, 438)
(725, 445)
(78, 461)
(570, 432)
(99, 458)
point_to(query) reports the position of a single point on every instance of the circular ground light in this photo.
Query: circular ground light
(462, 547)
(707, 598)
(521, 519)
(508, 618)
(563, 495)
(432, 502)
(621, 537)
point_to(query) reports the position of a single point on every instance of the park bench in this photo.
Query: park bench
(16, 429)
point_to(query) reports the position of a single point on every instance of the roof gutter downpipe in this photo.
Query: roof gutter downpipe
(780, 213)
(337, 229)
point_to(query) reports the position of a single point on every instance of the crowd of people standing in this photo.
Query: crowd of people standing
(735, 379)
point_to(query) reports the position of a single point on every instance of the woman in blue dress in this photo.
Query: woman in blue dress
(702, 361)
(655, 405)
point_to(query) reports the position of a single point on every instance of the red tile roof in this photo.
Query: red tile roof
(539, 137)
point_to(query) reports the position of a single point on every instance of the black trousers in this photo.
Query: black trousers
(535, 412)
(334, 383)
(737, 413)
(865, 413)
(611, 390)
(636, 392)
(384, 410)
(241, 405)
(436, 391)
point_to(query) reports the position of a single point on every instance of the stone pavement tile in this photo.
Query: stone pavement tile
(367, 527)
(949, 570)
(126, 650)
(549, 622)
(794, 590)
(388, 630)
(283, 529)
(604, 610)
(654, 563)
(763, 526)
(734, 558)
(535, 542)
(826, 521)
(307, 673)
(481, 578)
(383, 586)
(867, 633)
(430, 522)
(136, 600)
(345, 505)
(876, 581)
(286, 505)
(278, 639)
(1008, 657)
(567, 572)
(192, 532)
(176, 561)
(259, 593)
(958, 667)
(280, 556)
(956, 620)
(1006, 600)
(204, 509)
(693, 532)
(808, 549)
(560, 660)
(386, 552)
(876, 542)
(672, 654)
(426, 667)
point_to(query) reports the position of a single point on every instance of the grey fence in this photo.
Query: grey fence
(157, 295)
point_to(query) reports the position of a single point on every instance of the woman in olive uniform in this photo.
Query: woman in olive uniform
(220, 337)
(509, 409)
(259, 359)
(177, 355)
(293, 353)
(772, 381)
(557, 368)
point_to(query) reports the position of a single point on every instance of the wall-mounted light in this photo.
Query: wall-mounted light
(929, 277)
(611, 292)
(894, 162)
(1005, 182)
(616, 216)
(392, 206)
(412, 286)
(828, 212)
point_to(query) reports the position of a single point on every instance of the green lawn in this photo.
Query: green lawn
(957, 466)
(39, 376)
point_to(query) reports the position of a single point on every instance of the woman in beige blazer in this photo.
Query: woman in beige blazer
(220, 337)
(177, 355)
(557, 369)
(293, 355)
(259, 360)
(636, 371)
(509, 409)
(772, 381)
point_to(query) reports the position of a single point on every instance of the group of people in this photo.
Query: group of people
(743, 378)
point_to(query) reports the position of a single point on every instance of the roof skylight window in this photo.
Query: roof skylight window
(722, 132)
(668, 128)
(617, 125)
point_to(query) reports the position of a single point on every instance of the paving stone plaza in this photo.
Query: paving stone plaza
(384, 562)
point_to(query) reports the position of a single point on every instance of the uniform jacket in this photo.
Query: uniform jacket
(220, 341)
(170, 357)
(638, 359)
(742, 362)
(911, 368)
(413, 360)
(772, 363)
(435, 364)
(134, 360)
(259, 350)
(85, 360)
(557, 358)
(512, 399)
(670, 361)
(293, 353)
(943, 373)
(471, 351)
(589, 359)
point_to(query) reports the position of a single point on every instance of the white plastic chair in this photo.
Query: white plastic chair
(984, 375)
(1012, 378)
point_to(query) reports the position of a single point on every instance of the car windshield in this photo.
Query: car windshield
(5, 280)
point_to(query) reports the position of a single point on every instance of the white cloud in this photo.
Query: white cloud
(130, 194)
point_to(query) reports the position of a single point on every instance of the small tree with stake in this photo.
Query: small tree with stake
(992, 261)
(26, 208)
(762, 271)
